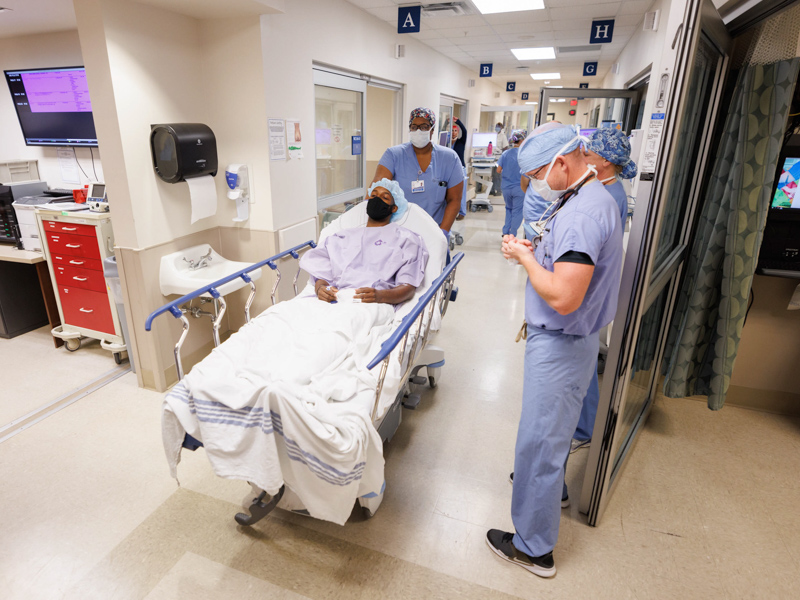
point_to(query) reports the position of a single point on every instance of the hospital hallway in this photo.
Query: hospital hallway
(705, 509)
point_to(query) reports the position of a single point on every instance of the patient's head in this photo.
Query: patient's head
(386, 203)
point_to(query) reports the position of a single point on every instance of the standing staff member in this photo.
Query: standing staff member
(429, 175)
(508, 167)
(573, 281)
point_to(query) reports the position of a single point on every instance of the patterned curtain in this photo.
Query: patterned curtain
(709, 315)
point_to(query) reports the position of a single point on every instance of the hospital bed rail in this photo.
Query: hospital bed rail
(419, 317)
(211, 289)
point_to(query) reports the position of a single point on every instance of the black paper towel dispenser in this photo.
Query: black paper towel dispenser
(183, 150)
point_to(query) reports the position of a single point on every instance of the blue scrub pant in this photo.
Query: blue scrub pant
(514, 199)
(589, 410)
(558, 370)
(463, 210)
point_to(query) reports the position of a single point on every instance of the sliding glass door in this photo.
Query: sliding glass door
(657, 249)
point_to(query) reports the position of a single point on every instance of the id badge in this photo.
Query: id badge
(538, 230)
(417, 186)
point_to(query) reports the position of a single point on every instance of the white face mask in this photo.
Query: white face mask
(541, 187)
(420, 138)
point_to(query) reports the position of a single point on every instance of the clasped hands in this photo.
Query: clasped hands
(520, 250)
(365, 294)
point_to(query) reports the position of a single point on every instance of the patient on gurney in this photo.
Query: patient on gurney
(288, 400)
(382, 263)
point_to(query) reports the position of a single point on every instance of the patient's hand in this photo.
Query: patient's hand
(396, 295)
(325, 292)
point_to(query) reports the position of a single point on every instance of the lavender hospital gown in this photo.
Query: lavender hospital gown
(377, 257)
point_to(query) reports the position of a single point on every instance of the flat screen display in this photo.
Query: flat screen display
(786, 195)
(53, 106)
(481, 140)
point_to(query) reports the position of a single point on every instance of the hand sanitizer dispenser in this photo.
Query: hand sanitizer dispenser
(238, 180)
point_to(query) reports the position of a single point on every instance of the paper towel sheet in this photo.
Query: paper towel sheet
(203, 192)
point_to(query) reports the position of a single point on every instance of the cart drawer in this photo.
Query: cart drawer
(87, 309)
(73, 228)
(86, 279)
(77, 261)
(73, 245)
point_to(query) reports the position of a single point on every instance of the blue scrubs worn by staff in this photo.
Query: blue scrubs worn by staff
(573, 282)
(513, 195)
(427, 188)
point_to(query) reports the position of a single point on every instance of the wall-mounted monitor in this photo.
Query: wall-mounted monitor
(53, 106)
(786, 196)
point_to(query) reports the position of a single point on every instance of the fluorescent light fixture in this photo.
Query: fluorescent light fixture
(542, 76)
(488, 7)
(534, 53)
(558, 100)
(555, 86)
(531, 103)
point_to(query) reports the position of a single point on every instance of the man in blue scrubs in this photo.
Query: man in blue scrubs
(573, 282)
(429, 174)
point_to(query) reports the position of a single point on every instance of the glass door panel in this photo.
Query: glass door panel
(656, 250)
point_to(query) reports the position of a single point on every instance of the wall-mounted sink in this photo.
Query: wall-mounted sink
(177, 275)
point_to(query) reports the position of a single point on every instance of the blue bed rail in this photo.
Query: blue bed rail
(173, 307)
(388, 346)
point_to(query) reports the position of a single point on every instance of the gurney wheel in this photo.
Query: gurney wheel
(473, 208)
(118, 358)
(432, 382)
(72, 344)
(259, 509)
(490, 208)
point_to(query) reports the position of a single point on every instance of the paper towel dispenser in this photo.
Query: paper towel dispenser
(183, 150)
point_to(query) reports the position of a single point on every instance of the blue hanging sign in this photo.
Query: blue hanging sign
(408, 19)
(486, 70)
(355, 145)
(602, 32)
(524, 95)
(583, 86)
(590, 69)
(511, 86)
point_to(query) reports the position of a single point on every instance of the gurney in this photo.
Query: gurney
(303, 455)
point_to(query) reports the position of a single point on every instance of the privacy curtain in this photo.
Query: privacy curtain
(710, 311)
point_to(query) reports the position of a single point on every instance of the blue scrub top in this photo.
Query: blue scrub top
(511, 174)
(617, 192)
(589, 222)
(445, 167)
(534, 205)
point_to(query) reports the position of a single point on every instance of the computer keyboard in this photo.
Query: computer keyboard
(58, 192)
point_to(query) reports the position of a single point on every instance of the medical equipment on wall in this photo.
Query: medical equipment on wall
(237, 177)
(96, 199)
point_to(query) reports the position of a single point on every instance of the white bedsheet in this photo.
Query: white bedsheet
(264, 418)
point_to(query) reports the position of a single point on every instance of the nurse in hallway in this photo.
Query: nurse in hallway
(508, 167)
(429, 174)
(573, 280)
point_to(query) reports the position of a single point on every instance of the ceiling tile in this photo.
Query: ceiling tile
(516, 40)
(472, 48)
(455, 32)
(628, 21)
(374, 3)
(523, 27)
(384, 14)
(522, 16)
(578, 27)
(635, 7)
(488, 40)
(589, 10)
(454, 22)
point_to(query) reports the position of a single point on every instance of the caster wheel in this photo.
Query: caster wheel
(473, 208)
(117, 358)
(459, 240)
(432, 382)
(490, 208)
(73, 344)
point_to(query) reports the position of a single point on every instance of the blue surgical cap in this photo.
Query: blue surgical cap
(397, 193)
(544, 143)
(614, 146)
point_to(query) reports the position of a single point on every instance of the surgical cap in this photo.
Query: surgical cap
(614, 146)
(425, 113)
(397, 193)
(544, 143)
(517, 136)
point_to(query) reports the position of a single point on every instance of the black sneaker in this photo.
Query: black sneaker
(501, 544)
(564, 501)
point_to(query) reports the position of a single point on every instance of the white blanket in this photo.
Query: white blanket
(288, 400)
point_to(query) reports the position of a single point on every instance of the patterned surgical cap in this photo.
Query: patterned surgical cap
(425, 113)
(614, 146)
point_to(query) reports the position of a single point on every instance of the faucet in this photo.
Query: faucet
(202, 262)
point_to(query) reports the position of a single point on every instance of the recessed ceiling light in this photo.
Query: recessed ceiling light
(531, 103)
(559, 100)
(488, 7)
(555, 86)
(542, 76)
(534, 53)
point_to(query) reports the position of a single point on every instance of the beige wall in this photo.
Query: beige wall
(31, 52)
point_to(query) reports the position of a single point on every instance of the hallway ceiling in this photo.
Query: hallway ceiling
(474, 38)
